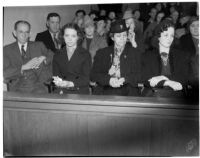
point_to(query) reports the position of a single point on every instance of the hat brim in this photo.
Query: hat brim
(119, 31)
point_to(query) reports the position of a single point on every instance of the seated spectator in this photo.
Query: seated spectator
(190, 43)
(164, 69)
(158, 7)
(112, 16)
(50, 37)
(182, 25)
(134, 38)
(102, 12)
(148, 33)
(100, 25)
(151, 19)
(78, 19)
(26, 64)
(138, 24)
(175, 16)
(93, 14)
(116, 69)
(72, 64)
(92, 41)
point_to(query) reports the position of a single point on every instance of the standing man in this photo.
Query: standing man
(26, 65)
(50, 37)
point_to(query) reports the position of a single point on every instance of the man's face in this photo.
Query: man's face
(175, 15)
(120, 39)
(54, 24)
(167, 37)
(22, 33)
(194, 28)
(153, 13)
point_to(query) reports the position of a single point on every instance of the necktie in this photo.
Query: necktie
(24, 56)
(164, 57)
(55, 40)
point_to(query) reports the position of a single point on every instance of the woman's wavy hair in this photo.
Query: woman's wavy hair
(161, 27)
(76, 28)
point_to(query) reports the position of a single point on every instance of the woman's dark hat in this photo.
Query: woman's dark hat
(118, 26)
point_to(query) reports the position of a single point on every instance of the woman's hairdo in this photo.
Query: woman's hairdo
(163, 26)
(76, 28)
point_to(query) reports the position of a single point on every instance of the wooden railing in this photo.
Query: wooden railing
(85, 125)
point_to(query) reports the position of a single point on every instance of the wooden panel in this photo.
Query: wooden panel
(66, 126)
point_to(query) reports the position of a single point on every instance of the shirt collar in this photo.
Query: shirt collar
(20, 46)
(52, 34)
(162, 49)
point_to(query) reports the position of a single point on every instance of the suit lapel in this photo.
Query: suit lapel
(17, 54)
(50, 39)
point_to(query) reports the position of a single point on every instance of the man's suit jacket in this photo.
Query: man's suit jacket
(77, 69)
(179, 65)
(46, 38)
(129, 68)
(12, 63)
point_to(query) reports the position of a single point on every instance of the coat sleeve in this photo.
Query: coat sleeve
(99, 72)
(134, 77)
(47, 53)
(55, 67)
(10, 71)
(84, 78)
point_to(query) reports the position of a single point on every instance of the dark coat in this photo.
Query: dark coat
(179, 65)
(12, 63)
(187, 44)
(129, 67)
(46, 38)
(77, 69)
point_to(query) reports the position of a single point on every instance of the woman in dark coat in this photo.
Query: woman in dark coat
(190, 42)
(116, 69)
(72, 64)
(165, 70)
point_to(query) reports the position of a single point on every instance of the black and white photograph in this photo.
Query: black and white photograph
(118, 78)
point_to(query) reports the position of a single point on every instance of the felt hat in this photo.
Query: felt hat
(118, 26)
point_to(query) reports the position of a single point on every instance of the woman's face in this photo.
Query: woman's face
(166, 38)
(194, 28)
(120, 39)
(70, 37)
(89, 30)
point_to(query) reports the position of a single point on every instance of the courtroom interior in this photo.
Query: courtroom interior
(118, 79)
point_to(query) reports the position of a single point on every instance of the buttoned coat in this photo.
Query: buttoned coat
(151, 67)
(28, 80)
(77, 69)
(179, 65)
(129, 68)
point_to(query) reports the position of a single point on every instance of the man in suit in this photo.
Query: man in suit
(116, 69)
(50, 37)
(26, 65)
